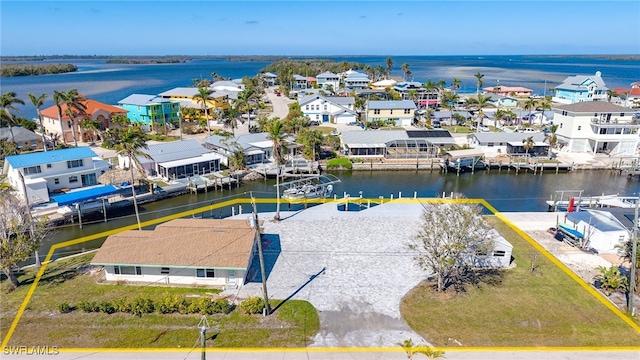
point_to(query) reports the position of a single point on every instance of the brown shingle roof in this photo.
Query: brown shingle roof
(207, 243)
(593, 107)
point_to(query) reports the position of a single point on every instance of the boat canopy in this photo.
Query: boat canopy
(467, 153)
(84, 195)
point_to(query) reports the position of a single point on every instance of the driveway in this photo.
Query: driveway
(354, 267)
(280, 103)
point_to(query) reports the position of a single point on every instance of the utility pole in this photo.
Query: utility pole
(203, 325)
(263, 273)
(634, 258)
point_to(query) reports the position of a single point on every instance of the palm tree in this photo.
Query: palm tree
(530, 105)
(528, 144)
(499, 115)
(8, 101)
(129, 145)
(389, 65)
(610, 94)
(275, 130)
(431, 87)
(75, 108)
(58, 99)
(245, 103)
(479, 83)
(405, 69)
(204, 95)
(478, 103)
(38, 102)
(455, 85)
(544, 105)
(449, 100)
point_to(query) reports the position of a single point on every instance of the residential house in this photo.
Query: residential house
(181, 252)
(499, 255)
(407, 89)
(629, 96)
(328, 80)
(257, 148)
(401, 112)
(496, 143)
(299, 82)
(384, 84)
(333, 109)
(26, 140)
(395, 144)
(601, 230)
(580, 88)
(354, 80)
(185, 96)
(508, 91)
(502, 101)
(150, 110)
(270, 79)
(94, 110)
(597, 126)
(53, 171)
(176, 160)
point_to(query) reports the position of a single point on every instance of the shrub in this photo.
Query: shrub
(106, 307)
(121, 305)
(64, 308)
(611, 280)
(168, 304)
(184, 306)
(220, 306)
(252, 305)
(339, 163)
(88, 306)
(141, 305)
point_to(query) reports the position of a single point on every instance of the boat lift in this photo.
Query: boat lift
(325, 182)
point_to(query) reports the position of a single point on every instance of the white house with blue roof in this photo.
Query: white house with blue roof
(150, 109)
(53, 171)
(334, 109)
(176, 160)
(581, 88)
(354, 80)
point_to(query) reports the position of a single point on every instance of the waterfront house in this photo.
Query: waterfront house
(176, 160)
(25, 140)
(581, 88)
(601, 230)
(507, 91)
(597, 127)
(325, 109)
(270, 79)
(411, 90)
(53, 171)
(496, 143)
(502, 101)
(400, 112)
(180, 252)
(94, 110)
(257, 148)
(354, 80)
(328, 80)
(184, 95)
(299, 82)
(150, 110)
(395, 144)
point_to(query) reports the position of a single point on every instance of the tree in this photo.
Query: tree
(449, 236)
(499, 115)
(121, 120)
(8, 102)
(528, 144)
(129, 145)
(627, 249)
(75, 108)
(37, 103)
(530, 104)
(405, 69)
(245, 102)
(479, 76)
(455, 85)
(611, 280)
(389, 66)
(7, 148)
(610, 94)
(275, 130)
(478, 103)
(311, 139)
(202, 97)
(20, 234)
(431, 88)
(236, 157)
(544, 105)
(58, 99)
(449, 99)
(92, 125)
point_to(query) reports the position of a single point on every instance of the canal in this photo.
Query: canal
(506, 191)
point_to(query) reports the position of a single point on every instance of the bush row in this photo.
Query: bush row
(169, 304)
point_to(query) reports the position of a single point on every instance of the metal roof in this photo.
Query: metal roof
(144, 100)
(353, 138)
(174, 150)
(48, 157)
(601, 220)
(486, 137)
(397, 104)
(192, 160)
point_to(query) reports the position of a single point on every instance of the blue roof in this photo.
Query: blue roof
(48, 157)
(83, 195)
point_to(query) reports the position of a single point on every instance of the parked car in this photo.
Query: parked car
(314, 123)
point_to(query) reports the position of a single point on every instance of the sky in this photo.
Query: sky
(308, 27)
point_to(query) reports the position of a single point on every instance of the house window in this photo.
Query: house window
(73, 179)
(56, 181)
(325, 107)
(501, 253)
(306, 107)
(128, 270)
(205, 273)
(579, 127)
(116, 270)
(32, 170)
(48, 166)
(376, 111)
(407, 111)
(164, 270)
(490, 145)
(33, 143)
(621, 114)
(74, 163)
(391, 111)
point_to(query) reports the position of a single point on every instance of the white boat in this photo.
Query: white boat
(601, 201)
(308, 191)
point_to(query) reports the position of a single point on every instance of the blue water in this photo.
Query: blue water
(110, 83)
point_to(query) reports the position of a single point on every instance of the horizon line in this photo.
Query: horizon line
(299, 55)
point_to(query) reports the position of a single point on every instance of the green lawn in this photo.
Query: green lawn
(520, 308)
(293, 325)
(459, 129)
